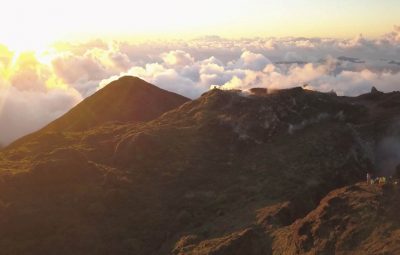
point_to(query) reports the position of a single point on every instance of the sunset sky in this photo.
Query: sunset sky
(34, 24)
(53, 54)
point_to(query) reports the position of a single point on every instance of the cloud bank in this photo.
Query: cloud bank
(36, 88)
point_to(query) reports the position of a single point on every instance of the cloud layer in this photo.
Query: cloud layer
(37, 88)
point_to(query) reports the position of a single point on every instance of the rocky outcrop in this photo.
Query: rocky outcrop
(359, 219)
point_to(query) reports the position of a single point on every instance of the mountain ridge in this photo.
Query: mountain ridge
(227, 173)
(120, 101)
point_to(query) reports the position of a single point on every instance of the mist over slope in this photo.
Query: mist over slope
(232, 172)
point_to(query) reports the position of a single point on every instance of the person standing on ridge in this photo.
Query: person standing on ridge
(368, 178)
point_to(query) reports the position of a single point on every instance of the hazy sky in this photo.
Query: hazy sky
(32, 24)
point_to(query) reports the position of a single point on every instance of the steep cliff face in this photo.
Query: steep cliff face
(227, 173)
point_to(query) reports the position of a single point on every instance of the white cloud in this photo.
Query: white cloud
(252, 61)
(177, 58)
(43, 88)
(24, 111)
(72, 68)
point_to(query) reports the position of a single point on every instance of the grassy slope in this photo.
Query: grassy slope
(202, 170)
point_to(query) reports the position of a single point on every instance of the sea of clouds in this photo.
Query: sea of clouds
(36, 89)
